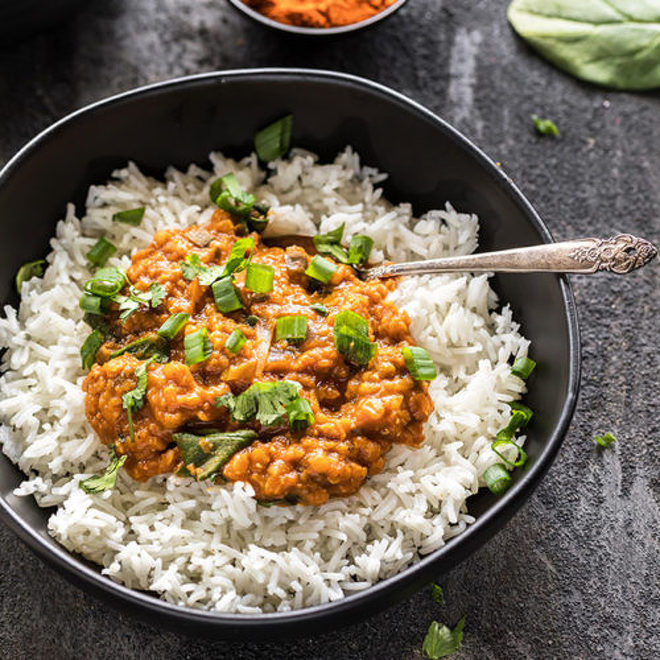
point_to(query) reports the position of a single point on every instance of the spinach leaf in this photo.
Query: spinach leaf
(615, 43)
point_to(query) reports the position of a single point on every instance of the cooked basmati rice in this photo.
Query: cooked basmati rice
(213, 546)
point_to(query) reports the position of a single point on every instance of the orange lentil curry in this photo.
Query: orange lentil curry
(355, 412)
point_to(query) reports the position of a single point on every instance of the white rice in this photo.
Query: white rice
(213, 546)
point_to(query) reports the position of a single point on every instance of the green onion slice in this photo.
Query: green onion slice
(521, 456)
(320, 308)
(523, 367)
(174, 324)
(197, 346)
(90, 347)
(321, 269)
(259, 278)
(273, 141)
(100, 252)
(351, 333)
(227, 193)
(360, 249)
(300, 414)
(91, 304)
(330, 243)
(203, 456)
(252, 320)
(235, 341)
(239, 257)
(106, 282)
(28, 271)
(291, 328)
(497, 478)
(130, 217)
(526, 412)
(419, 363)
(226, 295)
(108, 479)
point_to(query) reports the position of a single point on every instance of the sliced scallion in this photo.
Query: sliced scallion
(130, 217)
(419, 363)
(321, 269)
(320, 308)
(226, 295)
(526, 412)
(259, 278)
(150, 346)
(28, 271)
(106, 282)
(197, 346)
(360, 249)
(351, 333)
(605, 440)
(252, 320)
(523, 367)
(90, 347)
(94, 304)
(235, 341)
(239, 257)
(521, 456)
(232, 198)
(291, 328)
(330, 243)
(173, 325)
(497, 478)
(100, 252)
(273, 141)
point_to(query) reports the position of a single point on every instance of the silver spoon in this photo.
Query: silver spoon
(619, 254)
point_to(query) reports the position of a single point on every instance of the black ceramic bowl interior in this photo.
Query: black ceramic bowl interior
(20, 18)
(316, 32)
(180, 122)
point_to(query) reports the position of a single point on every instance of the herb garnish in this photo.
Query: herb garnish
(130, 304)
(497, 478)
(441, 641)
(320, 269)
(419, 363)
(108, 479)
(267, 403)
(292, 328)
(259, 278)
(320, 308)
(133, 400)
(150, 346)
(130, 217)
(90, 348)
(351, 333)
(28, 271)
(605, 440)
(273, 141)
(330, 243)
(545, 126)
(203, 456)
(173, 325)
(235, 341)
(100, 252)
(197, 346)
(239, 258)
(437, 593)
(226, 296)
(523, 367)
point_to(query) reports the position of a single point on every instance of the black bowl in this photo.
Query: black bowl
(316, 32)
(20, 18)
(179, 122)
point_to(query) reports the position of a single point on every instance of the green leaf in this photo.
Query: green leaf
(440, 641)
(90, 347)
(158, 294)
(203, 456)
(266, 402)
(615, 43)
(28, 271)
(273, 141)
(108, 479)
(545, 126)
(192, 266)
(605, 440)
(437, 593)
(130, 216)
(150, 346)
(330, 243)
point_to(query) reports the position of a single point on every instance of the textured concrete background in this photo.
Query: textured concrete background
(576, 573)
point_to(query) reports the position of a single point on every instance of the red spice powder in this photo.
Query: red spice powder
(319, 13)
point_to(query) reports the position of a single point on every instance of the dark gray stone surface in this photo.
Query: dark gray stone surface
(576, 573)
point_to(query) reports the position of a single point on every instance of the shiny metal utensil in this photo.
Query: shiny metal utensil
(619, 254)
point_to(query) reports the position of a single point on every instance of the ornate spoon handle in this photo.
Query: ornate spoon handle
(619, 254)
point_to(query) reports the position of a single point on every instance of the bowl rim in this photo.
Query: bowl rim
(475, 535)
(316, 32)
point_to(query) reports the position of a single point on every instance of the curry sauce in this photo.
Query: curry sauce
(359, 411)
